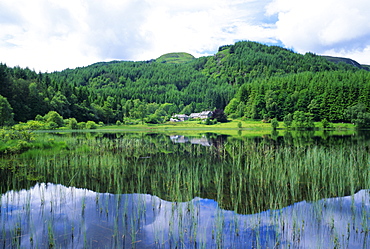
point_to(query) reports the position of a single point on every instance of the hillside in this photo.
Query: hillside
(245, 73)
(346, 61)
(175, 58)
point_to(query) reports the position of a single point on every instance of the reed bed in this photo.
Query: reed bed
(243, 176)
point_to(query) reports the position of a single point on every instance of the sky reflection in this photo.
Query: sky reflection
(55, 215)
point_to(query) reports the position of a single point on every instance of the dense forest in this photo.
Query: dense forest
(246, 79)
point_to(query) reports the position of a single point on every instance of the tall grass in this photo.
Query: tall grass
(245, 176)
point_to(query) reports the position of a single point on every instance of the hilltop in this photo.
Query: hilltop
(347, 61)
(175, 58)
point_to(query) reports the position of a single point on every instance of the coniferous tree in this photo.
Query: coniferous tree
(6, 112)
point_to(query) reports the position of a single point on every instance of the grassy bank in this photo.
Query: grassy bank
(232, 128)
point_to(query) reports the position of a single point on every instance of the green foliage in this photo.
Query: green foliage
(302, 120)
(20, 134)
(51, 125)
(232, 106)
(54, 120)
(34, 125)
(324, 95)
(81, 125)
(246, 79)
(288, 120)
(187, 109)
(274, 123)
(325, 123)
(91, 125)
(15, 141)
(208, 121)
(219, 115)
(358, 115)
(6, 112)
(153, 119)
(72, 124)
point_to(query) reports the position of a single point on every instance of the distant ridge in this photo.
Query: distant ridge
(347, 61)
(175, 58)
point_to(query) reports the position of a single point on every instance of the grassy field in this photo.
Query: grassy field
(248, 128)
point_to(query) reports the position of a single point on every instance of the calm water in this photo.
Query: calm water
(78, 218)
(150, 212)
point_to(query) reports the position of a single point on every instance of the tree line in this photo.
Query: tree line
(326, 95)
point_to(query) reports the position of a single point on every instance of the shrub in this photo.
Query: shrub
(35, 125)
(274, 123)
(81, 125)
(72, 124)
(51, 125)
(208, 121)
(325, 123)
(54, 117)
(91, 125)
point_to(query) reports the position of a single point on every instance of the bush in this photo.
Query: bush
(233, 116)
(208, 121)
(81, 125)
(51, 125)
(219, 115)
(39, 118)
(54, 117)
(91, 125)
(72, 124)
(153, 119)
(325, 123)
(288, 120)
(274, 123)
(35, 125)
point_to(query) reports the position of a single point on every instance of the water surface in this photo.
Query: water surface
(112, 190)
(54, 215)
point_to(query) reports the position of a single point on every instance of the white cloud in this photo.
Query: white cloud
(50, 35)
(324, 26)
(46, 36)
(53, 35)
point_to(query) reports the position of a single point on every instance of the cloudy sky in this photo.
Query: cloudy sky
(50, 35)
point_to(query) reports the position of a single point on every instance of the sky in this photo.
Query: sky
(52, 35)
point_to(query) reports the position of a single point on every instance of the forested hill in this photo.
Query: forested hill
(248, 74)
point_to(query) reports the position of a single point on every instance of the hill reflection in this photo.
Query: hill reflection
(49, 215)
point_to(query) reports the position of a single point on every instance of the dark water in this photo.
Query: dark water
(49, 215)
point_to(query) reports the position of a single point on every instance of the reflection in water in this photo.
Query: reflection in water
(51, 215)
(193, 140)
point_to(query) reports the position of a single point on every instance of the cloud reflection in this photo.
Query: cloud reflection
(69, 217)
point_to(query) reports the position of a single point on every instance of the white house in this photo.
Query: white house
(201, 115)
(183, 117)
